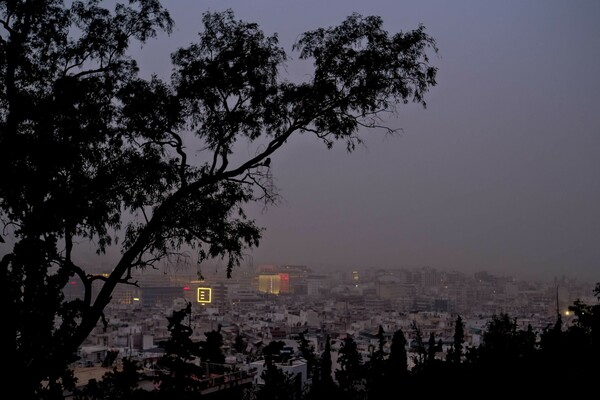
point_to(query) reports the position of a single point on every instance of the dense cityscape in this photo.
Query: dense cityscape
(277, 303)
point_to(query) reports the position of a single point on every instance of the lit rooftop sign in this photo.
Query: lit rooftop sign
(204, 295)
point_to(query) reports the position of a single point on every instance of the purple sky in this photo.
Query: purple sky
(501, 172)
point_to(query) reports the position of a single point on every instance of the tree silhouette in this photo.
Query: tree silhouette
(94, 153)
(323, 385)
(308, 353)
(573, 353)
(350, 375)
(179, 376)
(506, 357)
(456, 352)
(432, 348)
(278, 385)
(272, 351)
(398, 359)
(376, 368)
(240, 344)
(211, 348)
(118, 384)
(307, 350)
(420, 355)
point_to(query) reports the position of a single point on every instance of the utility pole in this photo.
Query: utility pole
(557, 308)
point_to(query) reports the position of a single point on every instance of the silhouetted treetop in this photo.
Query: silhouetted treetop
(92, 152)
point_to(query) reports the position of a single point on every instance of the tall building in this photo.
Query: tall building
(270, 283)
(296, 279)
(355, 278)
(285, 279)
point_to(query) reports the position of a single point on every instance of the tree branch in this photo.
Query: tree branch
(179, 148)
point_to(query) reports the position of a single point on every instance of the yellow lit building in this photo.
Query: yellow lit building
(270, 283)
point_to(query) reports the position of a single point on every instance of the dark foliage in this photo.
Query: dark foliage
(211, 348)
(178, 376)
(118, 384)
(350, 376)
(94, 153)
(509, 360)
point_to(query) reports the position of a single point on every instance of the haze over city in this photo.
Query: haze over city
(500, 172)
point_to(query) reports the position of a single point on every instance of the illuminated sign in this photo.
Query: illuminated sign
(284, 283)
(204, 295)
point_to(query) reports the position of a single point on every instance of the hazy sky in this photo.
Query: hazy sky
(501, 172)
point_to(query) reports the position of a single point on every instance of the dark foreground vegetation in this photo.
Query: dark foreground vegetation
(510, 362)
